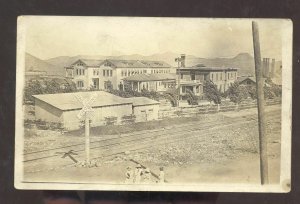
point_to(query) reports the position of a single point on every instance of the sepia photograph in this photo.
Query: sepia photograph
(153, 104)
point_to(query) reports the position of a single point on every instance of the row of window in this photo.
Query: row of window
(80, 72)
(107, 84)
(80, 84)
(133, 72)
(219, 76)
(105, 72)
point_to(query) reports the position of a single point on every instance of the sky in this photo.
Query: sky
(47, 37)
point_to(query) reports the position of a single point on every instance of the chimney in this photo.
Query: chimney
(182, 60)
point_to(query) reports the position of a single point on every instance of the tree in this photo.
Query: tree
(237, 93)
(191, 98)
(172, 96)
(47, 86)
(211, 92)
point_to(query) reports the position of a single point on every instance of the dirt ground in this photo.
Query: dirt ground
(227, 154)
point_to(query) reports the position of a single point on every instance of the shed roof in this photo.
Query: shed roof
(69, 101)
(151, 77)
(141, 101)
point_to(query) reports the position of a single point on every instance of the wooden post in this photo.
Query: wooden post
(87, 139)
(261, 106)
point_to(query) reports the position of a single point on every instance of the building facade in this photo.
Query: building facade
(106, 74)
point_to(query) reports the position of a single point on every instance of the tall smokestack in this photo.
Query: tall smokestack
(264, 67)
(182, 61)
(268, 68)
(273, 68)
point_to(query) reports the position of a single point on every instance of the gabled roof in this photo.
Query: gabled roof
(89, 62)
(124, 63)
(151, 77)
(243, 78)
(69, 101)
(141, 101)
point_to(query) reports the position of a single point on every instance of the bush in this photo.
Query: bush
(128, 119)
(110, 120)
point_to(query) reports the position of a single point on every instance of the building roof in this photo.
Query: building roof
(69, 101)
(151, 77)
(138, 63)
(141, 101)
(243, 78)
(189, 82)
(124, 63)
(90, 62)
(208, 69)
(155, 64)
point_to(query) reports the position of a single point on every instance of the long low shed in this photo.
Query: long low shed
(64, 108)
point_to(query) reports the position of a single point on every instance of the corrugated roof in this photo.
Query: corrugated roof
(141, 101)
(151, 77)
(68, 101)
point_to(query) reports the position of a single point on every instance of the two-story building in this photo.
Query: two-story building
(109, 73)
(193, 78)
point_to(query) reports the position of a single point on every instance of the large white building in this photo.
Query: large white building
(106, 74)
(64, 108)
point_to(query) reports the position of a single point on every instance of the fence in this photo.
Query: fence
(208, 109)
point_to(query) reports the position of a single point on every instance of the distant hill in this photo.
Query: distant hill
(33, 63)
(243, 61)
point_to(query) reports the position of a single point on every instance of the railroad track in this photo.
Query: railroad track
(117, 140)
(119, 145)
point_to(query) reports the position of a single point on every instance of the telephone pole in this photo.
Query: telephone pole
(263, 151)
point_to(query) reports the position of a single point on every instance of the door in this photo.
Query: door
(96, 83)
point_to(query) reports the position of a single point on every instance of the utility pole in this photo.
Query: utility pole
(87, 137)
(178, 60)
(261, 106)
(86, 113)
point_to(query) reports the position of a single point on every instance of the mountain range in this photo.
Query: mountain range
(243, 61)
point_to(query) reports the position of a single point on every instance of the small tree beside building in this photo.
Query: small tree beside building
(211, 92)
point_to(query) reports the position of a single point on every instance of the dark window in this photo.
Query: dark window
(80, 84)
